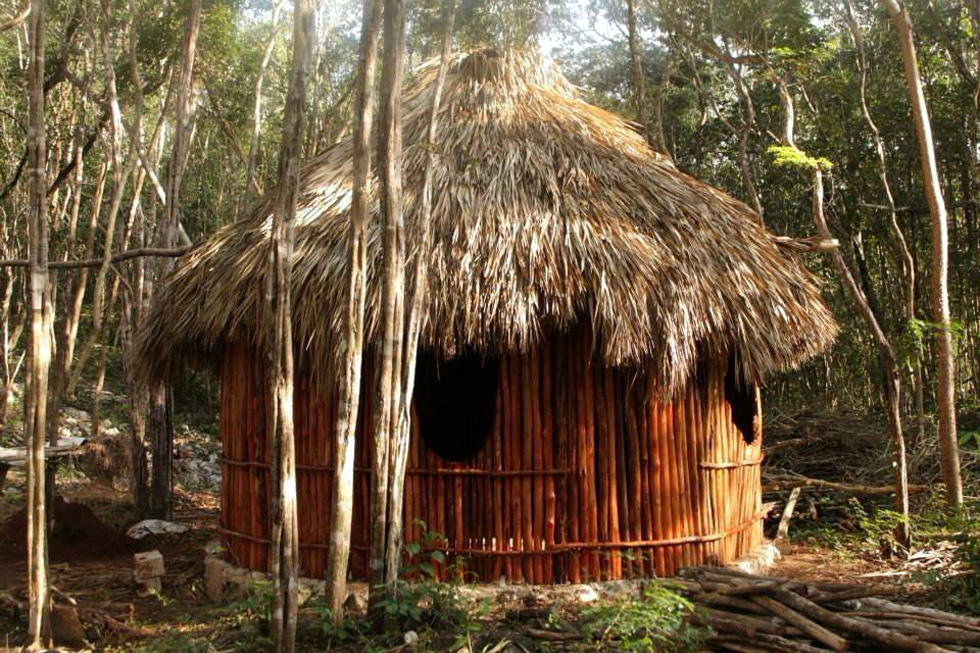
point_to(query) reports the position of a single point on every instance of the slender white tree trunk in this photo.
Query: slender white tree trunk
(946, 391)
(40, 346)
(388, 394)
(413, 321)
(892, 380)
(279, 342)
(342, 509)
(252, 188)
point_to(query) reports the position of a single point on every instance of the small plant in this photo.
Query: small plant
(431, 608)
(660, 620)
(250, 616)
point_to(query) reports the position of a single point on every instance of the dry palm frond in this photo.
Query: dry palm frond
(547, 211)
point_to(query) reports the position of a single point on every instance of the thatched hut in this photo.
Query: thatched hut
(596, 327)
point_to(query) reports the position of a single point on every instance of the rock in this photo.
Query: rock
(214, 583)
(66, 627)
(586, 594)
(355, 604)
(411, 638)
(147, 565)
(154, 527)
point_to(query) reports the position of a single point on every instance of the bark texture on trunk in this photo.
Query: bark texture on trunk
(413, 321)
(342, 508)
(40, 339)
(279, 343)
(946, 390)
(388, 395)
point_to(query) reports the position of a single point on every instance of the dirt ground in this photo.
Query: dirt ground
(95, 568)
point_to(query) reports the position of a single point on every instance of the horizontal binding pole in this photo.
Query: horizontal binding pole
(414, 472)
(303, 545)
(257, 464)
(732, 465)
(491, 473)
(580, 546)
(558, 548)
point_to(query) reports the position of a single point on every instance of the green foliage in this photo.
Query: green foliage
(242, 626)
(962, 586)
(432, 609)
(792, 157)
(856, 530)
(659, 620)
(426, 604)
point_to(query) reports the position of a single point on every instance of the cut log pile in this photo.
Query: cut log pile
(749, 614)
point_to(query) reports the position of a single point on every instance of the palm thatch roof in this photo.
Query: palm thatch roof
(547, 212)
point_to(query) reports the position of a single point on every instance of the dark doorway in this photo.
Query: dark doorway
(742, 398)
(454, 403)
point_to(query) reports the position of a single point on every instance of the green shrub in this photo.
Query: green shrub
(659, 620)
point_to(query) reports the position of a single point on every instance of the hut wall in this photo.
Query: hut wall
(587, 474)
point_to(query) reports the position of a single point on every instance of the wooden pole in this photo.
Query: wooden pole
(656, 474)
(612, 469)
(669, 484)
(694, 467)
(507, 464)
(587, 457)
(533, 488)
(523, 402)
(638, 416)
(498, 490)
(576, 434)
(562, 496)
(547, 437)
(635, 486)
(601, 463)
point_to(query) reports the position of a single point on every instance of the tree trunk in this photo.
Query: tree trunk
(892, 380)
(121, 170)
(252, 188)
(413, 321)
(279, 343)
(636, 72)
(159, 424)
(388, 395)
(900, 250)
(132, 314)
(40, 346)
(65, 328)
(341, 512)
(946, 390)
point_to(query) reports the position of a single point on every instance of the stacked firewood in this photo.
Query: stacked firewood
(749, 614)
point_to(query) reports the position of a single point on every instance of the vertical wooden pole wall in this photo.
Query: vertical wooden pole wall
(588, 473)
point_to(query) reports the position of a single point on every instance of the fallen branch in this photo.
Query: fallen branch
(552, 635)
(97, 262)
(16, 20)
(780, 482)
